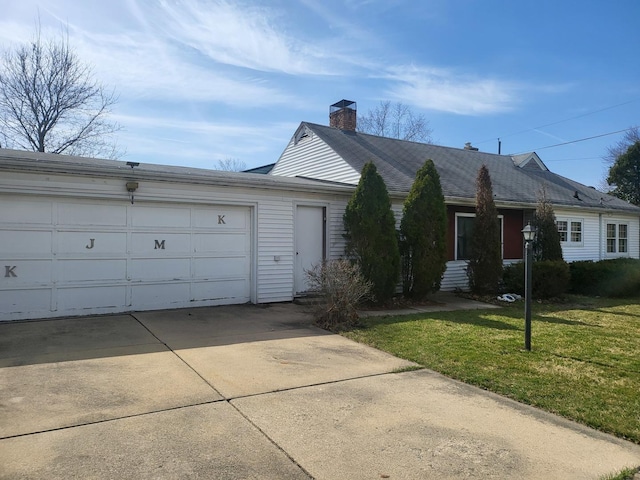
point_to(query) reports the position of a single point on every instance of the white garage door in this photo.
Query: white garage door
(69, 258)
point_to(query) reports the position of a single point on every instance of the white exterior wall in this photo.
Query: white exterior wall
(272, 274)
(594, 231)
(313, 158)
(589, 249)
(337, 242)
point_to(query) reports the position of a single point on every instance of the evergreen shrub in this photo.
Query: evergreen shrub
(551, 278)
(619, 277)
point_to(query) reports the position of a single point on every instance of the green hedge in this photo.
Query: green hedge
(551, 278)
(618, 277)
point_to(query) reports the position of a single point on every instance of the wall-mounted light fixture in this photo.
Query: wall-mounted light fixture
(131, 188)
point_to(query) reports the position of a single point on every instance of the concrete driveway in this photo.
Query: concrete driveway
(247, 392)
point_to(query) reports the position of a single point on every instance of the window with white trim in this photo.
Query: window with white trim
(570, 230)
(464, 234)
(617, 238)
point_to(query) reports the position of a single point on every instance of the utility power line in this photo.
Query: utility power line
(575, 141)
(555, 123)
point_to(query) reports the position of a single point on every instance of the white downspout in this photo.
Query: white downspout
(599, 236)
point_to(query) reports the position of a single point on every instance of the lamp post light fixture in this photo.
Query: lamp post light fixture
(529, 234)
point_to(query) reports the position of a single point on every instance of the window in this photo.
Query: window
(576, 232)
(562, 230)
(617, 239)
(570, 230)
(464, 234)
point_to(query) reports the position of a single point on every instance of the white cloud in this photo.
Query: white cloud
(241, 35)
(444, 90)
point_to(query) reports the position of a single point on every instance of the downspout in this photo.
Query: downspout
(600, 236)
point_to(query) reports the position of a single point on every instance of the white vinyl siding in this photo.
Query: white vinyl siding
(313, 158)
(580, 234)
(337, 242)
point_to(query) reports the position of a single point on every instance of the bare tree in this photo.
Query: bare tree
(50, 101)
(395, 120)
(231, 165)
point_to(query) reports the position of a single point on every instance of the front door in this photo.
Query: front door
(309, 242)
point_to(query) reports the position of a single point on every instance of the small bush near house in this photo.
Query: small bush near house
(551, 278)
(619, 277)
(342, 288)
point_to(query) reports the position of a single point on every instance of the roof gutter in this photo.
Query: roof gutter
(193, 176)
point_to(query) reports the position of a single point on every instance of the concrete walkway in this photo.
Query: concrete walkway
(249, 392)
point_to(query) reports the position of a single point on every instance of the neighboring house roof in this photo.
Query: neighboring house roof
(515, 178)
(264, 169)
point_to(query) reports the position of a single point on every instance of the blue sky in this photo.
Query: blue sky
(203, 80)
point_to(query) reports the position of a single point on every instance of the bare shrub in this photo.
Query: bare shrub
(342, 288)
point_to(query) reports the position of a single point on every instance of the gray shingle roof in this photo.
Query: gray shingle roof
(397, 162)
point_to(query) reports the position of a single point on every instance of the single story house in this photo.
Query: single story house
(592, 224)
(85, 236)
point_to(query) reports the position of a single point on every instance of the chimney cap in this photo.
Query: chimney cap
(343, 104)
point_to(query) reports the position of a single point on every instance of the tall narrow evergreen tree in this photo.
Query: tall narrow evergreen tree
(370, 232)
(547, 243)
(423, 231)
(485, 265)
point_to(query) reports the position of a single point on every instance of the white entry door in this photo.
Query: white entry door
(310, 242)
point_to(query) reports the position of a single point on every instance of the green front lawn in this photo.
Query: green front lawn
(584, 363)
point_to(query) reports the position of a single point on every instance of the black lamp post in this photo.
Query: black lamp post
(529, 235)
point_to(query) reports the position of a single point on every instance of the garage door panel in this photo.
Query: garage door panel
(88, 298)
(92, 214)
(160, 269)
(160, 295)
(26, 242)
(31, 302)
(221, 267)
(161, 217)
(92, 270)
(14, 273)
(221, 218)
(21, 211)
(92, 243)
(221, 242)
(161, 242)
(223, 291)
(66, 257)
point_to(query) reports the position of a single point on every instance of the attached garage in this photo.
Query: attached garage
(75, 241)
(67, 256)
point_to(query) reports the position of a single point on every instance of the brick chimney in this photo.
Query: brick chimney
(342, 115)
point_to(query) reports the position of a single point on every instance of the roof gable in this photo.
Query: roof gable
(529, 160)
